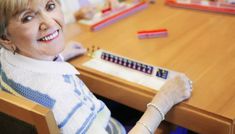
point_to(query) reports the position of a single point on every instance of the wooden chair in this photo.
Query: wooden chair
(17, 110)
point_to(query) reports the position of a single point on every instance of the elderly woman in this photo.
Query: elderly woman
(31, 34)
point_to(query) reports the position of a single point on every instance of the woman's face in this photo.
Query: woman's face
(37, 31)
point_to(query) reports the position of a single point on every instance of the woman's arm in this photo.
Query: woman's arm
(171, 93)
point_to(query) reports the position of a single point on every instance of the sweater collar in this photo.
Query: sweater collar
(38, 66)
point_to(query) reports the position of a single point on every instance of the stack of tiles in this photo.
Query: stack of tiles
(152, 33)
(127, 63)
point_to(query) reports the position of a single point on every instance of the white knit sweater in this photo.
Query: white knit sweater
(56, 86)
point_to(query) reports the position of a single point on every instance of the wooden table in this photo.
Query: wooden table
(200, 44)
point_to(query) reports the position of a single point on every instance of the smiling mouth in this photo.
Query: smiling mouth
(50, 37)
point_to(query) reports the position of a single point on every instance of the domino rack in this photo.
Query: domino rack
(120, 15)
(220, 7)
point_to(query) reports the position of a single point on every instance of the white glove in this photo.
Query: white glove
(72, 50)
(172, 92)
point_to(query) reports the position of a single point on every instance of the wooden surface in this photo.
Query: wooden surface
(200, 44)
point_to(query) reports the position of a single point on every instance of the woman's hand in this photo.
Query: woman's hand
(172, 92)
(73, 49)
(178, 89)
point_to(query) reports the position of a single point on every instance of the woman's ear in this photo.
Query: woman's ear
(5, 42)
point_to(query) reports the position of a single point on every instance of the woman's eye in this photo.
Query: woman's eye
(27, 19)
(50, 6)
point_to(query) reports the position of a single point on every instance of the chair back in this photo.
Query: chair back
(18, 112)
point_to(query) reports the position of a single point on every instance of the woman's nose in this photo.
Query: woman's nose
(43, 27)
(46, 21)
